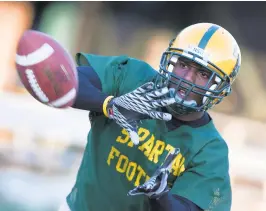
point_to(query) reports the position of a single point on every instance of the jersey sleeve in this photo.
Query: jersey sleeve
(206, 182)
(118, 74)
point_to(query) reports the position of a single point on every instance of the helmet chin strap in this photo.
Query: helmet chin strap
(176, 112)
(178, 99)
(179, 109)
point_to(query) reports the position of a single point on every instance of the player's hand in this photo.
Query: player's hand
(142, 103)
(156, 186)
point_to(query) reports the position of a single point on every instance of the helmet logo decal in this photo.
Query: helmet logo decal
(198, 51)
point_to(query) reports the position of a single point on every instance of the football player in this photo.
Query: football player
(152, 145)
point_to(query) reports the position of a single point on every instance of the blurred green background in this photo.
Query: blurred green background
(41, 147)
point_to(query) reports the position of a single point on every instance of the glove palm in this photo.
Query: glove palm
(142, 103)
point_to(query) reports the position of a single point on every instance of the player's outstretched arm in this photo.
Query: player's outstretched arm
(126, 110)
(90, 96)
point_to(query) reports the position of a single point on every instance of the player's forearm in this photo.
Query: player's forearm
(170, 202)
(90, 97)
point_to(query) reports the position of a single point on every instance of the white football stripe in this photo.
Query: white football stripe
(65, 99)
(35, 86)
(39, 55)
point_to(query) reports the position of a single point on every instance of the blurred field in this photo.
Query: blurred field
(41, 148)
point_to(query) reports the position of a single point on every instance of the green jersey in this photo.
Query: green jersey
(112, 165)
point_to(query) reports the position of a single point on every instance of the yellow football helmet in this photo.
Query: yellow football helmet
(210, 46)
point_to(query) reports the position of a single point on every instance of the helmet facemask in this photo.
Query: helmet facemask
(217, 87)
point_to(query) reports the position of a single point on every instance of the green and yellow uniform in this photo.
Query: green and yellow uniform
(112, 165)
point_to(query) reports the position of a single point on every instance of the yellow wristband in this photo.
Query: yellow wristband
(106, 101)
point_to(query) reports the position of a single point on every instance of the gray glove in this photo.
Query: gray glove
(156, 186)
(127, 110)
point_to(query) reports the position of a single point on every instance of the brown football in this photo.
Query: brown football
(46, 69)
